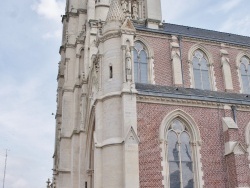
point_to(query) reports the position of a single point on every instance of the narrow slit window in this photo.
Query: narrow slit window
(110, 71)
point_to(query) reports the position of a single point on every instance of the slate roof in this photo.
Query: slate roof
(192, 94)
(193, 32)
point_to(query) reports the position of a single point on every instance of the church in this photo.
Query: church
(147, 104)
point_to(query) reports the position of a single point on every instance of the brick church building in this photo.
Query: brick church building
(146, 104)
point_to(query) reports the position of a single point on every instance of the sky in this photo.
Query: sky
(30, 39)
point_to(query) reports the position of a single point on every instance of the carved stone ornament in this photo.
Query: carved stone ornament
(128, 60)
(131, 137)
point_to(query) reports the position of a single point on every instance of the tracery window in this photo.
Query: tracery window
(140, 63)
(179, 156)
(201, 71)
(245, 74)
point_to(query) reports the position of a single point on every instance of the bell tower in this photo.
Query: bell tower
(96, 143)
(116, 161)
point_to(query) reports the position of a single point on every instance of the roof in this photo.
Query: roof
(193, 32)
(192, 94)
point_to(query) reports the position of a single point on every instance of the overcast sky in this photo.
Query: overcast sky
(30, 38)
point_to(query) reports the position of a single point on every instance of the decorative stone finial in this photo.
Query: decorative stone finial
(115, 11)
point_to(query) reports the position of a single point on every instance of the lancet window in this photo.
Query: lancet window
(140, 63)
(179, 156)
(245, 74)
(201, 71)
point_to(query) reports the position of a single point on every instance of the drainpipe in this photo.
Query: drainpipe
(234, 110)
(179, 39)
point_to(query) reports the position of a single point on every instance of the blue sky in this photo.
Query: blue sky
(30, 39)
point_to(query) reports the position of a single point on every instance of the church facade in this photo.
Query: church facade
(146, 104)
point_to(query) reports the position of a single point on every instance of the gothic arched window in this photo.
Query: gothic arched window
(245, 74)
(140, 63)
(201, 71)
(179, 156)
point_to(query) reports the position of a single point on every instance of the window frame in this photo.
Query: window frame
(238, 66)
(210, 65)
(150, 60)
(195, 144)
(180, 156)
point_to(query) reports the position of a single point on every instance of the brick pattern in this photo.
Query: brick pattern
(232, 173)
(231, 135)
(214, 164)
(243, 172)
(163, 67)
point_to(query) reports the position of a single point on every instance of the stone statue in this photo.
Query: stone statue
(124, 6)
(135, 10)
(128, 64)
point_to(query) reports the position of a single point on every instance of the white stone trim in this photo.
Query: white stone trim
(195, 145)
(210, 62)
(228, 123)
(238, 58)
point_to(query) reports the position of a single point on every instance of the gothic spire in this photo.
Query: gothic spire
(115, 11)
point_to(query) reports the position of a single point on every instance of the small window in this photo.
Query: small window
(140, 63)
(201, 71)
(245, 74)
(110, 72)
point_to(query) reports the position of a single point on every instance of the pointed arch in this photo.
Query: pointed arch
(149, 59)
(210, 65)
(191, 125)
(195, 144)
(239, 70)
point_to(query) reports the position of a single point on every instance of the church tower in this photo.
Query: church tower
(96, 143)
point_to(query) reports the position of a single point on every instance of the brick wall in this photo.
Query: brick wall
(213, 161)
(162, 55)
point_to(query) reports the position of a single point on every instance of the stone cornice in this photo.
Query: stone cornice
(108, 36)
(154, 33)
(70, 45)
(81, 11)
(186, 102)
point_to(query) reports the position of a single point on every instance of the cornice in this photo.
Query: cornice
(152, 34)
(82, 11)
(108, 36)
(70, 45)
(192, 39)
(186, 102)
(159, 32)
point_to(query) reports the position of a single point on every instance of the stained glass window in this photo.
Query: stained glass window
(245, 74)
(179, 156)
(201, 72)
(140, 63)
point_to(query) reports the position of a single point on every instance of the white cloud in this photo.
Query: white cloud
(50, 9)
(224, 7)
(55, 34)
(20, 183)
(173, 9)
(235, 25)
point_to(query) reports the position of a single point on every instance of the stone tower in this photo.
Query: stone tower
(96, 142)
